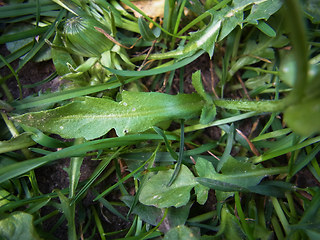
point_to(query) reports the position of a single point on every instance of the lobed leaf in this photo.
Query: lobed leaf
(18, 225)
(181, 232)
(93, 117)
(156, 192)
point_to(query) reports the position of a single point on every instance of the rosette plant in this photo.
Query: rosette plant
(85, 44)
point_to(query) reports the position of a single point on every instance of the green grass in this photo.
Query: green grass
(207, 127)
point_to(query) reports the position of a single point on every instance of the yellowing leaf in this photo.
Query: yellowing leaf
(152, 8)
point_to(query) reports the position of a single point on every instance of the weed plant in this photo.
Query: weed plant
(200, 121)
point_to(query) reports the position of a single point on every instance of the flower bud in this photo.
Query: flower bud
(81, 38)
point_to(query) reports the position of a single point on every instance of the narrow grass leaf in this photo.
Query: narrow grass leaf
(97, 172)
(19, 168)
(67, 94)
(220, 122)
(173, 154)
(41, 42)
(17, 9)
(312, 211)
(226, 154)
(110, 208)
(122, 180)
(305, 160)
(180, 157)
(273, 134)
(158, 70)
(280, 152)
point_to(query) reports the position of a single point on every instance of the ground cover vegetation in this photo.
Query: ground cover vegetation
(160, 119)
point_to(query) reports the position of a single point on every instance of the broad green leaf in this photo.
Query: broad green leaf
(204, 39)
(225, 20)
(230, 227)
(156, 192)
(303, 118)
(69, 212)
(243, 174)
(93, 117)
(18, 28)
(18, 225)
(181, 232)
(149, 214)
(235, 176)
(263, 10)
(60, 57)
(288, 69)
(204, 169)
(233, 18)
(177, 216)
(266, 29)
(198, 86)
(24, 140)
(208, 112)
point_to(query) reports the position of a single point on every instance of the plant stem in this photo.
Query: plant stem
(7, 92)
(298, 39)
(258, 106)
(261, 70)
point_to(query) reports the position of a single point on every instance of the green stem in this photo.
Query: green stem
(298, 38)
(261, 70)
(257, 106)
(7, 91)
(159, 56)
(14, 74)
(203, 217)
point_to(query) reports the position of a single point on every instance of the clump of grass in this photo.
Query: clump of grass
(221, 161)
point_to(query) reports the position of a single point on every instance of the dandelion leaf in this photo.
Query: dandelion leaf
(91, 117)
